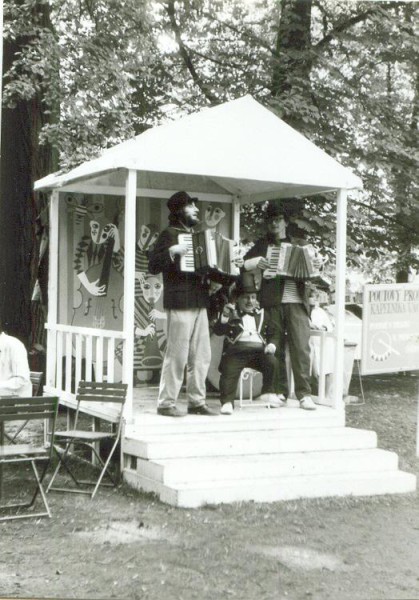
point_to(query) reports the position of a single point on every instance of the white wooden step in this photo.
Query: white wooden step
(249, 442)
(229, 468)
(283, 488)
(244, 420)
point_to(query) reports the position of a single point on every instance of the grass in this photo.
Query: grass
(126, 544)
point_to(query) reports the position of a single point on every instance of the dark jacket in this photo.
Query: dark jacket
(181, 290)
(272, 290)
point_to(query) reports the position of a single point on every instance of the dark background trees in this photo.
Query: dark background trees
(343, 73)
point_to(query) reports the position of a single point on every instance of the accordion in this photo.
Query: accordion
(288, 260)
(209, 253)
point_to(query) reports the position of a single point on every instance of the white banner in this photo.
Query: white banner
(390, 328)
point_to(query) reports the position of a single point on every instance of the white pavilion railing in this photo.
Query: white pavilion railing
(76, 353)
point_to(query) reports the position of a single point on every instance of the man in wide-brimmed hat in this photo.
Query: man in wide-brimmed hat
(250, 342)
(186, 299)
(286, 302)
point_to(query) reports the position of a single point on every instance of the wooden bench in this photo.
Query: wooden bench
(38, 452)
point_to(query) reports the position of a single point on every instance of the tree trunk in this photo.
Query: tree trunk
(17, 213)
(292, 65)
(22, 162)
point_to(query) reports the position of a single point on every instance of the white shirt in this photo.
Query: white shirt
(250, 331)
(14, 367)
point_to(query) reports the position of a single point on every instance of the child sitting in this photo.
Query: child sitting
(250, 342)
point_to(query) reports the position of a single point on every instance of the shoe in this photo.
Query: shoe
(169, 411)
(281, 400)
(201, 410)
(271, 400)
(227, 408)
(307, 403)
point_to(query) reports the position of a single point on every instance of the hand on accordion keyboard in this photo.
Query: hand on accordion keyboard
(263, 263)
(179, 249)
(269, 274)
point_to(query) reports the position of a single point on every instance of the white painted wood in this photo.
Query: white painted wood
(129, 287)
(52, 285)
(236, 468)
(235, 219)
(96, 341)
(110, 361)
(280, 489)
(79, 354)
(89, 358)
(115, 190)
(88, 331)
(246, 443)
(68, 361)
(99, 359)
(417, 429)
(340, 296)
(59, 360)
(322, 376)
(257, 420)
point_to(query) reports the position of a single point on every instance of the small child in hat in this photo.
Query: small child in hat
(250, 343)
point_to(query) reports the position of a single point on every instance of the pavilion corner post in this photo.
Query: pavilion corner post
(235, 220)
(52, 289)
(417, 427)
(341, 214)
(129, 286)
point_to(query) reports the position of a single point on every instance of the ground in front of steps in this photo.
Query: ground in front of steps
(128, 545)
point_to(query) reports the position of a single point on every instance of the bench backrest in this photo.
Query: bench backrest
(36, 380)
(93, 391)
(18, 408)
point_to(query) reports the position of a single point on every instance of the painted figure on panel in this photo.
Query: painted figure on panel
(150, 335)
(214, 214)
(98, 264)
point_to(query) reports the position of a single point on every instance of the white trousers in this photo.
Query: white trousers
(188, 345)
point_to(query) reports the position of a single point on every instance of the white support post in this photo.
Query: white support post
(417, 428)
(129, 286)
(341, 211)
(235, 220)
(50, 377)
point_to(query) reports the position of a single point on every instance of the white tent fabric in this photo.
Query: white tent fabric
(238, 148)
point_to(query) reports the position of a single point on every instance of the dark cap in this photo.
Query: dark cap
(275, 209)
(178, 201)
(248, 283)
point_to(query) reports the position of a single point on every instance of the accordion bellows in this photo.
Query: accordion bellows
(289, 260)
(209, 252)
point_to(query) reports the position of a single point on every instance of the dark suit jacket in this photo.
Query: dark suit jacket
(181, 290)
(268, 331)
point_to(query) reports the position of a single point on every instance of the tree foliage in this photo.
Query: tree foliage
(343, 73)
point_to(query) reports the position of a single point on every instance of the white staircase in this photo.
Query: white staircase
(258, 455)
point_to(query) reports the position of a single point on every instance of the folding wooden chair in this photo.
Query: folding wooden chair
(34, 452)
(68, 444)
(36, 380)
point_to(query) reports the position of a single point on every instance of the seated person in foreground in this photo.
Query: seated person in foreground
(14, 368)
(250, 342)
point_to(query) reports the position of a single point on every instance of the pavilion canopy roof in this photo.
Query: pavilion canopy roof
(237, 148)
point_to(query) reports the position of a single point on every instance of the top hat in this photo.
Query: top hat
(248, 283)
(178, 201)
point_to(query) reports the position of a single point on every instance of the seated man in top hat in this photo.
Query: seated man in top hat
(250, 342)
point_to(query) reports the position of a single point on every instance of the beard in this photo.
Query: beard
(189, 220)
